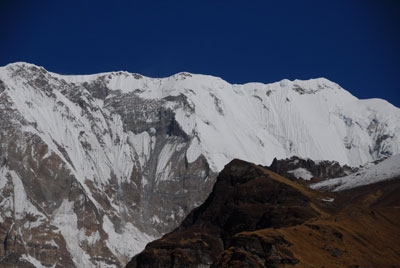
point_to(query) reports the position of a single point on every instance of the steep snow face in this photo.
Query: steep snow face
(257, 122)
(100, 156)
(387, 169)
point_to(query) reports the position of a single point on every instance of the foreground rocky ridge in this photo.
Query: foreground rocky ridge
(94, 167)
(256, 218)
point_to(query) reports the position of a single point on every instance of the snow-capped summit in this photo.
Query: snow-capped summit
(256, 122)
(104, 163)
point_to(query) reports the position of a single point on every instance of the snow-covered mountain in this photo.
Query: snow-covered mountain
(93, 167)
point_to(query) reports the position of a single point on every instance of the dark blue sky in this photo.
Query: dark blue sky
(355, 43)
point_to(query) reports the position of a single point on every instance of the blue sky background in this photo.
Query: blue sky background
(354, 43)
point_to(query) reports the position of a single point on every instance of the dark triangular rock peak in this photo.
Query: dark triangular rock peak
(257, 218)
(245, 198)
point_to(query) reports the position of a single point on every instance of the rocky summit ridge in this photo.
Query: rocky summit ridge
(93, 167)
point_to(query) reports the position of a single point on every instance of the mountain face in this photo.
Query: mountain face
(256, 218)
(94, 167)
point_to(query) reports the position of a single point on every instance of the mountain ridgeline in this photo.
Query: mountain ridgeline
(93, 167)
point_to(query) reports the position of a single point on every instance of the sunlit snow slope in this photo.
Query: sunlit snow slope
(105, 163)
(257, 122)
(387, 169)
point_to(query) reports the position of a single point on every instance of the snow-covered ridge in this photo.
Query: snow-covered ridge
(387, 169)
(256, 122)
(162, 87)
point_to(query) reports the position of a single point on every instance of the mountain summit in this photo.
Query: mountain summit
(93, 167)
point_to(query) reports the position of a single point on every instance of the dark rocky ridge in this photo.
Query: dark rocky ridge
(256, 218)
(319, 169)
(244, 198)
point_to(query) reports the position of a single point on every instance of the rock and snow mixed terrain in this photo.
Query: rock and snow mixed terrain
(93, 167)
(387, 169)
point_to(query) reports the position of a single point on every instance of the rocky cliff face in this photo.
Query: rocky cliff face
(94, 167)
(87, 180)
(256, 218)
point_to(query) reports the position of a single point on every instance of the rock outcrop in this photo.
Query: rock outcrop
(324, 169)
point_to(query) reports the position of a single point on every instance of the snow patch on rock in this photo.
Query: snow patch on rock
(67, 222)
(301, 173)
(127, 242)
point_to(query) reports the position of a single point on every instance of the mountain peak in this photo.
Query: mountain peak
(101, 164)
(292, 116)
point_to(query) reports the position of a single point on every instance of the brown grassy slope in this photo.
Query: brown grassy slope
(256, 218)
(360, 229)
